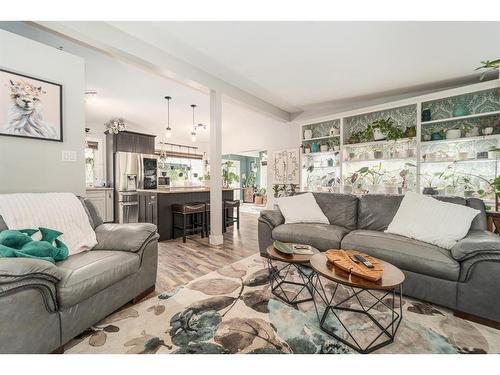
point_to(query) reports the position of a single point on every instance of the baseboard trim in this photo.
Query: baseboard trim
(477, 319)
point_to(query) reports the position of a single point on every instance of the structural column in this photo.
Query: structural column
(215, 155)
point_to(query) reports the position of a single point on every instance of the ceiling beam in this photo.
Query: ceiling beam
(125, 47)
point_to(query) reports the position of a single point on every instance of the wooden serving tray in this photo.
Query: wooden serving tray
(342, 260)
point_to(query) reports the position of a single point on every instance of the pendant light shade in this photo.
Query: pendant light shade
(193, 132)
(168, 130)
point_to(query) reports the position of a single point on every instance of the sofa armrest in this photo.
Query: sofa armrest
(17, 274)
(476, 242)
(272, 217)
(125, 237)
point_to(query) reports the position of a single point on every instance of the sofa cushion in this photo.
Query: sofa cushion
(124, 237)
(405, 253)
(87, 273)
(376, 211)
(321, 236)
(340, 209)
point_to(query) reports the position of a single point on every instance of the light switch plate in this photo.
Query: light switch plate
(68, 155)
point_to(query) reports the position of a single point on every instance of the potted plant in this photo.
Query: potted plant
(350, 181)
(468, 186)
(259, 196)
(431, 188)
(249, 188)
(378, 153)
(374, 176)
(384, 129)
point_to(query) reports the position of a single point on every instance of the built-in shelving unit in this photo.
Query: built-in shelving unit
(433, 157)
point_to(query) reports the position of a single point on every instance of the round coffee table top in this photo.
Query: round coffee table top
(391, 278)
(289, 258)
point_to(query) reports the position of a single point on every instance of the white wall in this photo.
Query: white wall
(246, 130)
(30, 165)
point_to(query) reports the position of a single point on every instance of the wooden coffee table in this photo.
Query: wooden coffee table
(386, 321)
(280, 275)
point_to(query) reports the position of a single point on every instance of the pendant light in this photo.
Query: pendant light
(193, 132)
(168, 131)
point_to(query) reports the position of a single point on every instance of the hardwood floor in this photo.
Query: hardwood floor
(179, 263)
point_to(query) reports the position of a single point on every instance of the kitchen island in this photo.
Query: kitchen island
(155, 206)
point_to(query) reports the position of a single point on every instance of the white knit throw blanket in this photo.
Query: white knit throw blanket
(60, 211)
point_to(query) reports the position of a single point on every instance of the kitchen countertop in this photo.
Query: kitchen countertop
(177, 190)
(98, 188)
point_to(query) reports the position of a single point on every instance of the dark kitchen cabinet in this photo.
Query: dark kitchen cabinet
(148, 208)
(126, 141)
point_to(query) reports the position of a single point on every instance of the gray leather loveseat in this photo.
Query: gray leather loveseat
(43, 306)
(465, 278)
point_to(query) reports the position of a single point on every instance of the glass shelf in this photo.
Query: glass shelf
(380, 143)
(463, 139)
(461, 117)
(381, 160)
(320, 138)
(459, 161)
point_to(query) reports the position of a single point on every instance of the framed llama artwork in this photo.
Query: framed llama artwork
(30, 107)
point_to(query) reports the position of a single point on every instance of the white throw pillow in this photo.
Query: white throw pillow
(301, 208)
(429, 220)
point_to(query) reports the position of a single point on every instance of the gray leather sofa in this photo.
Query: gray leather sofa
(465, 278)
(43, 306)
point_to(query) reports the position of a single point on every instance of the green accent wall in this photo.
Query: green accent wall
(245, 167)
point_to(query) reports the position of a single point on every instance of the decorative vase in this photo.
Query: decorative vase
(330, 162)
(426, 115)
(427, 137)
(377, 135)
(460, 110)
(324, 148)
(453, 134)
(436, 136)
(378, 154)
(307, 134)
(314, 147)
(488, 130)
(411, 131)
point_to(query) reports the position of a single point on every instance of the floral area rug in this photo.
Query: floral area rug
(232, 310)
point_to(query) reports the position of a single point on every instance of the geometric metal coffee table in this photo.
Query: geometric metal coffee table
(354, 291)
(280, 276)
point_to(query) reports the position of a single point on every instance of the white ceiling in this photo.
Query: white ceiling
(300, 65)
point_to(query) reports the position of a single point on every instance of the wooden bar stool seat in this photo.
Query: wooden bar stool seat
(193, 218)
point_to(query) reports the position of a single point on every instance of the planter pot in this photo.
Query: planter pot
(453, 134)
(468, 193)
(351, 155)
(430, 191)
(436, 136)
(493, 154)
(377, 135)
(324, 148)
(427, 137)
(411, 131)
(248, 195)
(259, 200)
(426, 115)
(391, 189)
(330, 162)
(378, 154)
(460, 110)
(314, 147)
(488, 130)
(308, 134)
(373, 188)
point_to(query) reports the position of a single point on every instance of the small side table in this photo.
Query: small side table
(279, 276)
(493, 218)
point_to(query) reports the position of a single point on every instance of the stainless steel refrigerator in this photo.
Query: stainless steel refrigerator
(132, 171)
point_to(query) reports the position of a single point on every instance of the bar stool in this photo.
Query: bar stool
(190, 213)
(231, 205)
